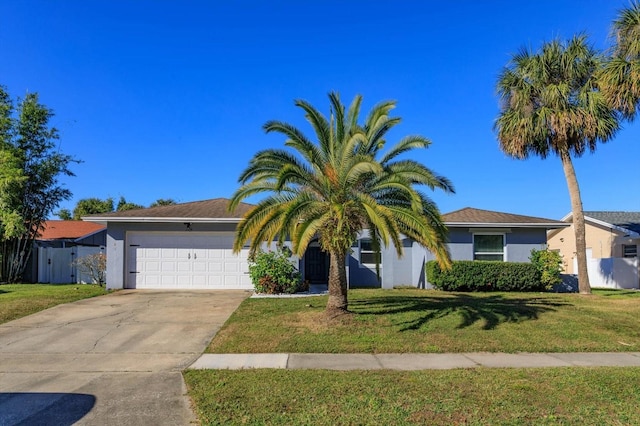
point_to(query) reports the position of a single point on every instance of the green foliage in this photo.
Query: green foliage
(31, 164)
(619, 78)
(65, 214)
(334, 185)
(11, 180)
(466, 275)
(549, 266)
(272, 272)
(163, 202)
(124, 205)
(89, 206)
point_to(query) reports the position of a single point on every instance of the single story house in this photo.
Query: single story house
(608, 234)
(189, 246)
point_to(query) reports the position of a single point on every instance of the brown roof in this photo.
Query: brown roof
(216, 208)
(476, 217)
(68, 229)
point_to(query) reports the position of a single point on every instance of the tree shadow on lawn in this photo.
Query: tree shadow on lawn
(493, 310)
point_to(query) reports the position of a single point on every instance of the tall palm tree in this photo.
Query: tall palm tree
(550, 104)
(339, 185)
(620, 77)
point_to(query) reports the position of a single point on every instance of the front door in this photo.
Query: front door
(316, 266)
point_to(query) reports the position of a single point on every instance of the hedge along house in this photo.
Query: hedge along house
(189, 246)
(474, 234)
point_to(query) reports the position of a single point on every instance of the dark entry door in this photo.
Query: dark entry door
(316, 266)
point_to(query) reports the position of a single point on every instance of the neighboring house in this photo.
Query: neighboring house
(608, 235)
(52, 253)
(69, 233)
(189, 246)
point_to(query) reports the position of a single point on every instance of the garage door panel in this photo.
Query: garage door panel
(167, 266)
(186, 260)
(231, 267)
(151, 253)
(152, 266)
(200, 266)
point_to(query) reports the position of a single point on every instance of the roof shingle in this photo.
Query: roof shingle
(68, 229)
(626, 220)
(470, 215)
(216, 208)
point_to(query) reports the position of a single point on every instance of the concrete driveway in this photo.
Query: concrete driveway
(110, 360)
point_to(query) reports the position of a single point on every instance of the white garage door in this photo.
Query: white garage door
(189, 260)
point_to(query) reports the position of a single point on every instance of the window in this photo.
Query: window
(629, 250)
(367, 255)
(488, 247)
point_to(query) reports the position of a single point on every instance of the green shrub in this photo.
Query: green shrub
(468, 275)
(272, 273)
(549, 266)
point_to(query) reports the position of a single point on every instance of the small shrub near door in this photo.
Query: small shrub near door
(272, 273)
(466, 275)
(93, 265)
(549, 265)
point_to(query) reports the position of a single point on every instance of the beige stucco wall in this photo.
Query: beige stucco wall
(600, 240)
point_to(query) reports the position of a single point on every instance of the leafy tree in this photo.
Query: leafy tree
(124, 205)
(620, 77)
(31, 164)
(65, 214)
(163, 202)
(337, 186)
(551, 104)
(89, 206)
(11, 174)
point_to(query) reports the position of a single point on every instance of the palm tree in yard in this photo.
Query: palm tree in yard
(551, 104)
(620, 77)
(333, 187)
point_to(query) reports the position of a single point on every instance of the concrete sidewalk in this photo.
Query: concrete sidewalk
(416, 361)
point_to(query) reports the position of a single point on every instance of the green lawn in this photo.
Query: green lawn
(427, 321)
(19, 300)
(558, 396)
(392, 321)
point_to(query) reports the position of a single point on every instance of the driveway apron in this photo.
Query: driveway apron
(110, 360)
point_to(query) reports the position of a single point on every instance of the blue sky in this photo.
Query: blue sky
(166, 99)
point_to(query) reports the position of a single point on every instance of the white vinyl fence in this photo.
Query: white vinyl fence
(55, 265)
(613, 272)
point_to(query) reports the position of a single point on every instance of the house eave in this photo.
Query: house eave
(510, 225)
(105, 220)
(627, 232)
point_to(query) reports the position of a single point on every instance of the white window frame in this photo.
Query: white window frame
(360, 251)
(504, 245)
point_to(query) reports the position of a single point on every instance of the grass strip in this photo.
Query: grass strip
(399, 321)
(19, 300)
(556, 396)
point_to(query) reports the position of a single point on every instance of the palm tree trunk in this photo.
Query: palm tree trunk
(337, 303)
(578, 222)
